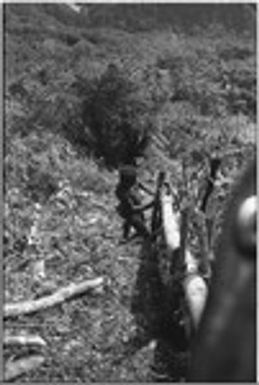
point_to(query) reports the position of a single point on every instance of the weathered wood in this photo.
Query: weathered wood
(171, 221)
(63, 294)
(21, 339)
(196, 292)
(14, 369)
(195, 288)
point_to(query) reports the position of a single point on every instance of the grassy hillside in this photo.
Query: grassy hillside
(197, 89)
(178, 18)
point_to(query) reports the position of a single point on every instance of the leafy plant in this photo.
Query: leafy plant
(117, 117)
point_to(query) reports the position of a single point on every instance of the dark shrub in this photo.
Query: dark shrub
(117, 117)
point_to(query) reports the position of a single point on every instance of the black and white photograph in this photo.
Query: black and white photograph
(129, 192)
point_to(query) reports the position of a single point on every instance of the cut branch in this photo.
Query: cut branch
(72, 290)
(158, 143)
(196, 292)
(24, 340)
(14, 369)
(163, 139)
(170, 221)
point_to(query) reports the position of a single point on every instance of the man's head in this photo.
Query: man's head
(128, 175)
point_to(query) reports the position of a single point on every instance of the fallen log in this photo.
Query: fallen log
(61, 295)
(171, 221)
(195, 288)
(196, 293)
(24, 340)
(14, 369)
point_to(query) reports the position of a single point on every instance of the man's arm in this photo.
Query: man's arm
(139, 209)
(145, 188)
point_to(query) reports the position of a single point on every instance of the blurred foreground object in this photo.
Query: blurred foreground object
(224, 348)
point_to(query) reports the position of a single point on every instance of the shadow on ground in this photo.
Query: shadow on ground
(155, 311)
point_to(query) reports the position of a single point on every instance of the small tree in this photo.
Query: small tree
(117, 117)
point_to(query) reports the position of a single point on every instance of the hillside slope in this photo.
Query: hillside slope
(78, 238)
(200, 90)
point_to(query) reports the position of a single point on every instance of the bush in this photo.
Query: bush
(117, 117)
(195, 79)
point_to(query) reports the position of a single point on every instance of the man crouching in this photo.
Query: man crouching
(130, 208)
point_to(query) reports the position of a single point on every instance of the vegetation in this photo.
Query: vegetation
(119, 122)
(84, 93)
